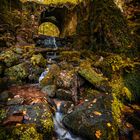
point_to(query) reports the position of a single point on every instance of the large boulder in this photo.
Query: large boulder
(93, 118)
(67, 80)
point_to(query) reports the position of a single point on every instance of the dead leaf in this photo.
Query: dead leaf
(98, 134)
(97, 113)
(94, 101)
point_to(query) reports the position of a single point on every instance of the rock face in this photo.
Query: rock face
(93, 118)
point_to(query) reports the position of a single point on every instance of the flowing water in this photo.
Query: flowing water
(62, 133)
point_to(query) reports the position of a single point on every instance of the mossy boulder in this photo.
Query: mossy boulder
(38, 60)
(25, 71)
(18, 72)
(114, 63)
(22, 132)
(93, 118)
(9, 58)
(89, 73)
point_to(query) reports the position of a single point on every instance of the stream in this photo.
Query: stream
(62, 133)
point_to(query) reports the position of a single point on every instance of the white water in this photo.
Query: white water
(61, 131)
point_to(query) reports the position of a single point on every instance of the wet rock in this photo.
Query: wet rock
(93, 118)
(66, 107)
(64, 94)
(49, 90)
(67, 79)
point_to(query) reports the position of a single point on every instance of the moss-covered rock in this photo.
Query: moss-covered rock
(114, 63)
(15, 55)
(18, 72)
(22, 132)
(9, 58)
(38, 60)
(49, 79)
(90, 74)
(93, 118)
(70, 56)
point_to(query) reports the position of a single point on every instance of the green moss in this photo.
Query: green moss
(70, 56)
(114, 63)
(47, 125)
(26, 132)
(87, 71)
(17, 72)
(38, 60)
(9, 58)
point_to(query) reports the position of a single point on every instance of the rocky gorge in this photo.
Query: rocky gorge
(76, 86)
